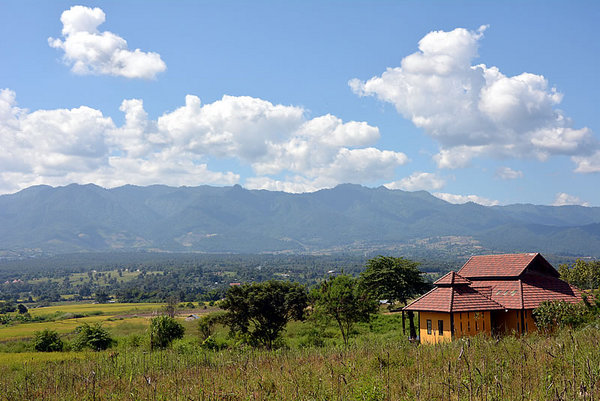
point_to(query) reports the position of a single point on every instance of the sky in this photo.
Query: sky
(495, 102)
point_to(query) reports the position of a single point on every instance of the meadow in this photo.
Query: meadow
(312, 364)
(565, 366)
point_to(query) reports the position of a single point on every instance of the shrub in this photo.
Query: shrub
(206, 324)
(163, 330)
(551, 314)
(94, 337)
(47, 341)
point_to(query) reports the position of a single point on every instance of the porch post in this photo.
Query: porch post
(403, 323)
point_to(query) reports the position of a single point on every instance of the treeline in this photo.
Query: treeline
(158, 277)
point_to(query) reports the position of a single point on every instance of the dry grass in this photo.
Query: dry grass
(564, 367)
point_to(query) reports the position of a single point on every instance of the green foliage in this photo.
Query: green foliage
(552, 314)
(163, 330)
(261, 311)
(94, 337)
(22, 309)
(394, 279)
(47, 341)
(207, 323)
(344, 300)
(582, 274)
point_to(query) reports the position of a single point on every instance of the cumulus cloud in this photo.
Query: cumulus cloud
(418, 181)
(459, 199)
(286, 150)
(507, 173)
(89, 51)
(475, 110)
(563, 199)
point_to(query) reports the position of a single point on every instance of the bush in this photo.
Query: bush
(47, 341)
(551, 314)
(94, 337)
(163, 330)
(206, 324)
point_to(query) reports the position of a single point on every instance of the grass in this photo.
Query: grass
(105, 309)
(563, 367)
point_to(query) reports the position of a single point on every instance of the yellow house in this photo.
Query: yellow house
(489, 294)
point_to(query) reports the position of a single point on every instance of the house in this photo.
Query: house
(490, 294)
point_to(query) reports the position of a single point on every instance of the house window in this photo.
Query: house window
(428, 326)
(441, 327)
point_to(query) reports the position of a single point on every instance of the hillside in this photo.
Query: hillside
(347, 218)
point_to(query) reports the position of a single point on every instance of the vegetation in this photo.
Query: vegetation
(260, 311)
(582, 274)
(47, 341)
(345, 301)
(163, 330)
(394, 279)
(94, 337)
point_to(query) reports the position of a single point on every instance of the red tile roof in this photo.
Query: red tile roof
(509, 265)
(451, 278)
(461, 298)
(516, 281)
(537, 288)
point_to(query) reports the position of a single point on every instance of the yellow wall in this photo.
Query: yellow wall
(471, 323)
(510, 321)
(434, 337)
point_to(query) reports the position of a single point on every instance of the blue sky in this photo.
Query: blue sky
(494, 102)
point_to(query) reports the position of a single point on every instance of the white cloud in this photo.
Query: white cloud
(588, 164)
(89, 51)
(452, 198)
(507, 173)
(475, 110)
(563, 199)
(61, 146)
(418, 181)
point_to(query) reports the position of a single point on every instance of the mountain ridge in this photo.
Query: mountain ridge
(347, 218)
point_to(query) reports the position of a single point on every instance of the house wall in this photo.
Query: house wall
(472, 323)
(510, 321)
(435, 336)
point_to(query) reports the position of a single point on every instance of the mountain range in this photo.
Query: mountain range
(347, 218)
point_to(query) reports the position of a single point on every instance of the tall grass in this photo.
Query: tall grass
(562, 367)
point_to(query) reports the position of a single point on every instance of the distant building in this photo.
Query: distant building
(490, 294)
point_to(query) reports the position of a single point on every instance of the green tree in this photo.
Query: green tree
(22, 309)
(581, 274)
(344, 300)
(261, 310)
(396, 279)
(94, 337)
(47, 341)
(163, 330)
(101, 297)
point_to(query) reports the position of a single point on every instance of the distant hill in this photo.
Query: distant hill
(347, 218)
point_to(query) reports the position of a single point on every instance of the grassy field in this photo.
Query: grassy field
(122, 319)
(562, 367)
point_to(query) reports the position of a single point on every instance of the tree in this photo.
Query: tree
(94, 337)
(47, 341)
(22, 309)
(582, 274)
(262, 310)
(163, 330)
(395, 279)
(101, 297)
(344, 300)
